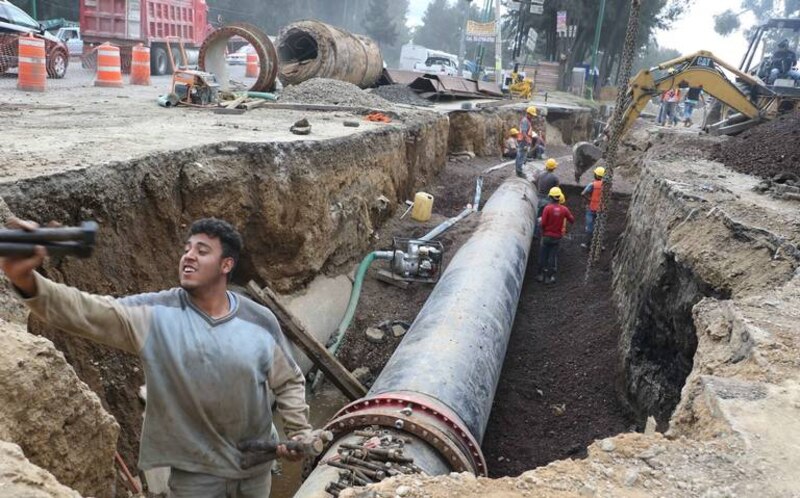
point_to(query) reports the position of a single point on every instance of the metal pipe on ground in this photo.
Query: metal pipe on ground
(212, 55)
(312, 49)
(437, 389)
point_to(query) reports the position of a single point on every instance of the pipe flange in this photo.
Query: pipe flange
(418, 416)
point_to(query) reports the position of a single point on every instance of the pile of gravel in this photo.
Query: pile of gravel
(332, 92)
(400, 94)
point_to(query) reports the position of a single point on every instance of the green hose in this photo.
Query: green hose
(351, 306)
(262, 95)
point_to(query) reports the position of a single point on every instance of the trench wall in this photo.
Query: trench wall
(685, 241)
(303, 208)
(481, 131)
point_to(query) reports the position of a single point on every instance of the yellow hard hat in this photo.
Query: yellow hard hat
(562, 199)
(555, 193)
(671, 70)
(551, 164)
(600, 171)
(532, 110)
(514, 131)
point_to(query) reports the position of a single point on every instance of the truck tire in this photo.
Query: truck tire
(57, 64)
(159, 61)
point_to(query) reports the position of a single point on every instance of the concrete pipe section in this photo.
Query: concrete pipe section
(213, 49)
(312, 49)
(437, 389)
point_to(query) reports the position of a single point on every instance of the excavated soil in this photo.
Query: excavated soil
(765, 150)
(558, 389)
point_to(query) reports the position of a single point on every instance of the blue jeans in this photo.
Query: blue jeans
(522, 153)
(688, 108)
(662, 113)
(775, 74)
(590, 217)
(548, 255)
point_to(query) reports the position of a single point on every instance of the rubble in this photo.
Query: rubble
(55, 418)
(326, 91)
(400, 94)
(22, 479)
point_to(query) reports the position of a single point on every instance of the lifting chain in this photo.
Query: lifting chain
(610, 156)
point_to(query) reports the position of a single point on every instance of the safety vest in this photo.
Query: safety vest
(597, 192)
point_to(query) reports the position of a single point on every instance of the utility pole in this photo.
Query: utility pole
(498, 44)
(598, 27)
(462, 46)
(33, 11)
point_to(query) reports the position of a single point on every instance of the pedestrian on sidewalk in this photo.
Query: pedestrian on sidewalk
(593, 193)
(214, 362)
(552, 221)
(525, 138)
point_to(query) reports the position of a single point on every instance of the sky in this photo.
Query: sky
(694, 31)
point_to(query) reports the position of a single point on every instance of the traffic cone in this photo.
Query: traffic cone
(252, 65)
(108, 66)
(140, 65)
(32, 64)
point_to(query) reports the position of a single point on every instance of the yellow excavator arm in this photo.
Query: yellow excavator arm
(699, 69)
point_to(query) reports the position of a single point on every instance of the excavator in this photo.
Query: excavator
(738, 105)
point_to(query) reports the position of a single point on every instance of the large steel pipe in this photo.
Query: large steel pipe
(438, 387)
(312, 49)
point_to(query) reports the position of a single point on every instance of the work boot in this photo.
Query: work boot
(540, 277)
(551, 279)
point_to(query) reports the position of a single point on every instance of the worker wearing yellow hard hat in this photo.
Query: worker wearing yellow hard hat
(530, 141)
(552, 221)
(545, 181)
(510, 144)
(593, 193)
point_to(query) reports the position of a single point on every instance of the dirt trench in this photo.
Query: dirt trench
(303, 208)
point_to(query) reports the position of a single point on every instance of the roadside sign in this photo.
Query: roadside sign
(533, 37)
(481, 31)
(537, 9)
(561, 21)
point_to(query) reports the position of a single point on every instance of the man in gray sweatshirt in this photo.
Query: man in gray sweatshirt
(213, 361)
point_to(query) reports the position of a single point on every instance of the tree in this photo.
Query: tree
(440, 28)
(654, 55)
(728, 21)
(378, 23)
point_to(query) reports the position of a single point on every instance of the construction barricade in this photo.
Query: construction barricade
(140, 65)
(109, 73)
(32, 64)
(252, 65)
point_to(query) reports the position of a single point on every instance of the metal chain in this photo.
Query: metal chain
(628, 54)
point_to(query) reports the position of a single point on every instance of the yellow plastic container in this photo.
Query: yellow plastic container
(423, 206)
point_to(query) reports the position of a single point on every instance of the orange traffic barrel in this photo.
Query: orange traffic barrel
(108, 66)
(32, 64)
(252, 65)
(140, 65)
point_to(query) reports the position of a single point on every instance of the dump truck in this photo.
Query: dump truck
(168, 27)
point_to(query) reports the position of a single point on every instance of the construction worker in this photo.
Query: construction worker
(525, 138)
(552, 221)
(593, 193)
(783, 62)
(214, 362)
(545, 180)
(510, 143)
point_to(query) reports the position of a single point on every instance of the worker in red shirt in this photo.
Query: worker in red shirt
(552, 223)
(593, 193)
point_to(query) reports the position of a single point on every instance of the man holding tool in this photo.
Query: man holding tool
(214, 361)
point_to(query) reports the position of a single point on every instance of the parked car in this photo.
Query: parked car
(14, 22)
(239, 58)
(71, 37)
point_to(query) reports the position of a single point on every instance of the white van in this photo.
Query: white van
(424, 60)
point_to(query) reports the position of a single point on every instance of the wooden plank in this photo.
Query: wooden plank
(321, 357)
(223, 110)
(233, 104)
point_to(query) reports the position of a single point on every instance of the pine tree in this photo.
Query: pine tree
(378, 23)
